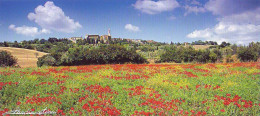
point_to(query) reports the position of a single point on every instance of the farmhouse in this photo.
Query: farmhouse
(97, 38)
(74, 39)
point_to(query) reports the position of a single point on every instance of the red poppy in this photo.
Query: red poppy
(18, 103)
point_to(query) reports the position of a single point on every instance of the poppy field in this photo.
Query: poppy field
(132, 89)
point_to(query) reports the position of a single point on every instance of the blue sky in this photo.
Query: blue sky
(235, 21)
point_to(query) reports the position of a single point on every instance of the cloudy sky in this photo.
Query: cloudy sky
(235, 21)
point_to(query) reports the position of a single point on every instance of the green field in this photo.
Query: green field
(179, 89)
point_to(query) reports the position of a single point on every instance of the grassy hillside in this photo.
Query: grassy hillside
(197, 47)
(26, 58)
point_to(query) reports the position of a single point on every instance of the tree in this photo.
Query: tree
(16, 44)
(52, 40)
(6, 44)
(27, 46)
(202, 56)
(74, 56)
(224, 44)
(81, 41)
(46, 60)
(246, 54)
(168, 55)
(113, 54)
(188, 54)
(218, 53)
(42, 41)
(147, 48)
(60, 48)
(213, 57)
(6, 59)
(66, 59)
(103, 54)
(36, 41)
(255, 47)
(234, 49)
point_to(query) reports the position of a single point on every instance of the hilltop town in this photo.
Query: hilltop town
(107, 39)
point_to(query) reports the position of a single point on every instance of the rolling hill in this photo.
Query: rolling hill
(197, 47)
(26, 58)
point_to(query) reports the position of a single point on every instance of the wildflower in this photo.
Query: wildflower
(192, 111)
(18, 103)
(6, 109)
(204, 113)
(226, 102)
(59, 111)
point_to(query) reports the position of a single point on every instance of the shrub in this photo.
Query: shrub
(202, 56)
(6, 59)
(170, 55)
(74, 56)
(178, 54)
(108, 54)
(46, 60)
(224, 44)
(219, 54)
(189, 54)
(6, 44)
(27, 46)
(147, 49)
(246, 54)
(213, 57)
(113, 54)
(250, 52)
(232, 58)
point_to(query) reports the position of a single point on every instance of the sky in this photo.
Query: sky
(234, 21)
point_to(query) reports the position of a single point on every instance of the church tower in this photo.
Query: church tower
(109, 32)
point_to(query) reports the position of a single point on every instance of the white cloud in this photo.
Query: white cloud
(155, 7)
(52, 17)
(230, 7)
(234, 33)
(172, 18)
(28, 31)
(193, 9)
(206, 33)
(194, 2)
(236, 24)
(131, 27)
(247, 17)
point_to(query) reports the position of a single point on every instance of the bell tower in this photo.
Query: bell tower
(109, 34)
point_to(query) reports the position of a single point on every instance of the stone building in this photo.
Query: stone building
(98, 39)
(74, 39)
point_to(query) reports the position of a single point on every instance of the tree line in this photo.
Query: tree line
(106, 54)
(225, 51)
